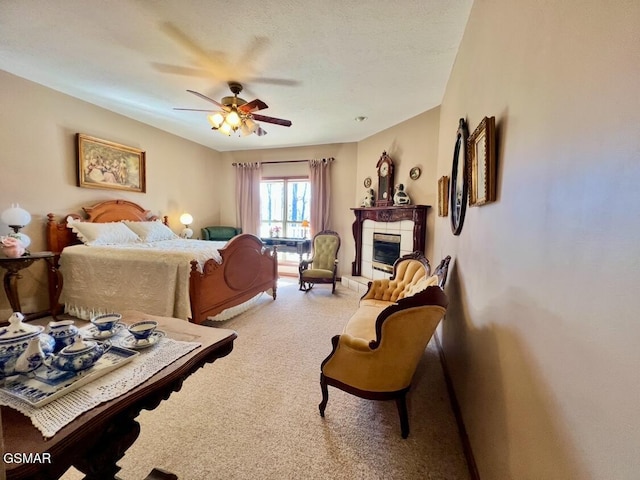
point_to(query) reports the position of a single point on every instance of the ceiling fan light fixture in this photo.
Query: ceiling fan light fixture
(233, 119)
(248, 127)
(226, 129)
(237, 115)
(215, 119)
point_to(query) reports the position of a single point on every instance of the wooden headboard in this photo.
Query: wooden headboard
(59, 235)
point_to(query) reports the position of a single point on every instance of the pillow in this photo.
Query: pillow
(422, 284)
(151, 231)
(102, 233)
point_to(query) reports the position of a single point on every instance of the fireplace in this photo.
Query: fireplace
(416, 214)
(386, 250)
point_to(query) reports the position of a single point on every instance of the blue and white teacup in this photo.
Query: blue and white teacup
(142, 330)
(106, 322)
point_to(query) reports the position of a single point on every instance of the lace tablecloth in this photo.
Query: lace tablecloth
(50, 418)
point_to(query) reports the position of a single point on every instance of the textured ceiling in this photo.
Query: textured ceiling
(319, 63)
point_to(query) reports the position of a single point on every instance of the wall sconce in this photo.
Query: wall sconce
(186, 220)
(17, 218)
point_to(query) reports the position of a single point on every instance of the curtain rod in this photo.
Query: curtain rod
(286, 161)
(275, 161)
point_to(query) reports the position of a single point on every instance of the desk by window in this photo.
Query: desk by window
(294, 245)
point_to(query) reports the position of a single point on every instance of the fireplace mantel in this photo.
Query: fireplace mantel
(417, 213)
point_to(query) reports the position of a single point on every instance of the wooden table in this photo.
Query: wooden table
(99, 438)
(12, 275)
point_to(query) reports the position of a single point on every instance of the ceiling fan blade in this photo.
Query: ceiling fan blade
(194, 109)
(255, 49)
(204, 97)
(253, 106)
(177, 70)
(277, 121)
(260, 131)
(286, 82)
(215, 66)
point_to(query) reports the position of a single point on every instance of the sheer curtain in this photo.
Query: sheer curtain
(248, 197)
(320, 180)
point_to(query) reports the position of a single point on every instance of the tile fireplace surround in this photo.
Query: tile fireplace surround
(408, 221)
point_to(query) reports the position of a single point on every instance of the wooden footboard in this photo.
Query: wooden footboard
(247, 269)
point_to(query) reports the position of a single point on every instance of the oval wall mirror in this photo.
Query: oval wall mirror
(459, 181)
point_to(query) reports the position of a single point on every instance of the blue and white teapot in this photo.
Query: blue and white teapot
(15, 340)
(80, 355)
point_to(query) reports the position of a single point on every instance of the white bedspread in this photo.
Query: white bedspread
(148, 277)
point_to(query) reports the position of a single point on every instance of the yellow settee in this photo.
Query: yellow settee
(379, 349)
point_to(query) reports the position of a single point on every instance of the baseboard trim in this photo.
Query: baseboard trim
(455, 406)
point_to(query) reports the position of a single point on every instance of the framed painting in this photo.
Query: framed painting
(104, 164)
(443, 196)
(482, 163)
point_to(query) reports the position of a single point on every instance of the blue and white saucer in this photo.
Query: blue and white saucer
(131, 342)
(92, 332)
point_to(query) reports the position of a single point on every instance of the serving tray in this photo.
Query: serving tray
(45, 384)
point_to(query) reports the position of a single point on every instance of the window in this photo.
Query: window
(284, 205)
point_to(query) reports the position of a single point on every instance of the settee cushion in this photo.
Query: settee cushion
(362, 323)
(374, 302)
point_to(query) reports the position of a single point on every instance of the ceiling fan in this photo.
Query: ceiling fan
(236, 115)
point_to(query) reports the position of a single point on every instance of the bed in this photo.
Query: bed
(190, 279)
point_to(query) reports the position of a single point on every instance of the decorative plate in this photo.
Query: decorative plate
(92, 332)
(130, 342)
(367, 182)
(415, 173)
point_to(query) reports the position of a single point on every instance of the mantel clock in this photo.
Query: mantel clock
(385, 181)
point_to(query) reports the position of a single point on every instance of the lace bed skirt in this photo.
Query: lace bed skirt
(50, 418)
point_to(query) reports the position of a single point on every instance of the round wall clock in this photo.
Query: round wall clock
(459, 181)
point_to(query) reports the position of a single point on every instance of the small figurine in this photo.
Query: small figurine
(401, 197)
(369, 198)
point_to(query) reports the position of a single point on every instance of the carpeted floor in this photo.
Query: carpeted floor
(254, 414)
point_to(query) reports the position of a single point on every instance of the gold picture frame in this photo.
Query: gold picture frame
(109, 165)
(443, 196)
(482, 163)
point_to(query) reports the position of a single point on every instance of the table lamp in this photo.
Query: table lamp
(17, 218)
(186, 220)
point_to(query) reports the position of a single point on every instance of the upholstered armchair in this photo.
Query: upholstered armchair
(322, 267)
(220, 233)
(377, 359)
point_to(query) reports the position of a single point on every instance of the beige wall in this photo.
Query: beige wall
(542, 333)
(413, 143)
(38, 168)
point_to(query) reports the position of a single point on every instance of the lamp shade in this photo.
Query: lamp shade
(186, 219)
(16, 216)
(22, 238)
